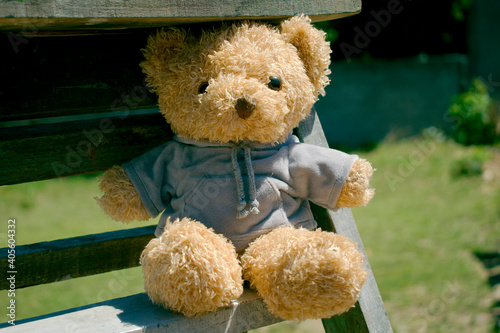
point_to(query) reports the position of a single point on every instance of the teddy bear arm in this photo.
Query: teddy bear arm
(356, 191)
(120, 200)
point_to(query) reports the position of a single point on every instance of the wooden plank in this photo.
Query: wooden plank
(65, 76)
(370, 305)
(136, 313)
(76, 257)
(102, 14)
(369, 314)
(29, 153)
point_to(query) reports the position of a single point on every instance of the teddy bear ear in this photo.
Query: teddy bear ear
(312, 47)
(161, 50)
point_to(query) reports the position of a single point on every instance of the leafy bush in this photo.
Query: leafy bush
(471, 163)
(474, 116)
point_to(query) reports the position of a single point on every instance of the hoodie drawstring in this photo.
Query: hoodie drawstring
(242, 212)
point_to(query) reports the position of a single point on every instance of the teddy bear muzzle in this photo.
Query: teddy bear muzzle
(244, 108)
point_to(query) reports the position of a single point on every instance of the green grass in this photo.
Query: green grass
(420, 233)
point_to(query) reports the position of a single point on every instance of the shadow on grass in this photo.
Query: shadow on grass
(491, 262)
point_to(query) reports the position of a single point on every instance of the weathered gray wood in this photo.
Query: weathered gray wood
(370, 302)
(136, 313)
(29, 153)
(310, 130)
(62, 76)
(76, 257)
(40, 15)
(369, 313)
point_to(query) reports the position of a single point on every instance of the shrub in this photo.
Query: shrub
(472, 163)
(474, 116)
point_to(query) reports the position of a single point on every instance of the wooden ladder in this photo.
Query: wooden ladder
(76, 103)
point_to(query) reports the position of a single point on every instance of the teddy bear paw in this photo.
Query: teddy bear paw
(191, 269)
(304, 274)
(356, 191)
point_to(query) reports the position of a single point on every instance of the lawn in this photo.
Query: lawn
(432, 213)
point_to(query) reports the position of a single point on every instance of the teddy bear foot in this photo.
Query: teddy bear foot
(304, 274)
(191, 269)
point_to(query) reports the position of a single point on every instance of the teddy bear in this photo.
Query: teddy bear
(233, 187)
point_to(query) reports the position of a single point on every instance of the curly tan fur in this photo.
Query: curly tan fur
(300, 274)
(120, 200)
(191, 269)
(304, 274)
(312, 47)
(356, 191)
(298, 54)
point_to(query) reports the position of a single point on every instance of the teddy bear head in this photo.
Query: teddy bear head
(239, 82)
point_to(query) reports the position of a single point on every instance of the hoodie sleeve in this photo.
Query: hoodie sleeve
(318, 173)
(147, 174)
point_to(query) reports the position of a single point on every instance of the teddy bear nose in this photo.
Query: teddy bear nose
(244, 108)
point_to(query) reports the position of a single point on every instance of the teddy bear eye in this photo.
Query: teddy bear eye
(203, 88)
(274, 83)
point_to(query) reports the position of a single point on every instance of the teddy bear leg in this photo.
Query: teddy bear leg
(191, 269)
(304, 274)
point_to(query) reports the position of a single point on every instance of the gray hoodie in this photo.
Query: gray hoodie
(241, 190)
